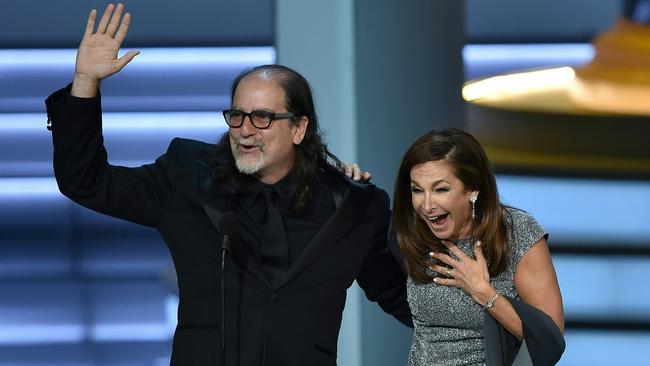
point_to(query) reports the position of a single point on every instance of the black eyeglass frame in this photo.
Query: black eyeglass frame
(251, 117)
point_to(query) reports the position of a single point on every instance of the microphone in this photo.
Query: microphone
(228, 227)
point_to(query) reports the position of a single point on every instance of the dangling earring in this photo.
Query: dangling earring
(473, 199)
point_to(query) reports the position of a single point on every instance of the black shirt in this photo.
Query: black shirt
(299, 227)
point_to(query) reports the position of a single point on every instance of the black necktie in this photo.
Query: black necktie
(274, 252)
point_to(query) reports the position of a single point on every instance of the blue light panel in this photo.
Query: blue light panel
(491, 59)
(588, 211)
(606, 348)
(148, 56)
(599, 288)
(527, 52)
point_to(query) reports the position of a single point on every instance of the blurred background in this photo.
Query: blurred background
(78, 288)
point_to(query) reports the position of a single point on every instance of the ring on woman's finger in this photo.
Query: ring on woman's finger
(448, 271)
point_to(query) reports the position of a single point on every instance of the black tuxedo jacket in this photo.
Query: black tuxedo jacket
(296, 323)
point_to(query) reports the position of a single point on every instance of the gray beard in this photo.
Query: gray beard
(249, 166)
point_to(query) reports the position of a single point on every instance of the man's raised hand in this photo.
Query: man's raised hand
(97, 54)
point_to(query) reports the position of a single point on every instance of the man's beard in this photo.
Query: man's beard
(248, 163)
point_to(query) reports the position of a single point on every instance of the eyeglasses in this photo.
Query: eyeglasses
(259, 119)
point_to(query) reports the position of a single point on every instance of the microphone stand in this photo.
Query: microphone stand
(224, 249)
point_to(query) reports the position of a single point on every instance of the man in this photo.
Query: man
(306, 231)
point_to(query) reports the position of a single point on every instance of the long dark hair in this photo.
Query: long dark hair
(310, 153)
(471, 166)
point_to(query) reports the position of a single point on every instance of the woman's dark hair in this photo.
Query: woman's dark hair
(470, 165)
(310, 153)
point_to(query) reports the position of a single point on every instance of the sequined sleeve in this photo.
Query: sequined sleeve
(523, 232)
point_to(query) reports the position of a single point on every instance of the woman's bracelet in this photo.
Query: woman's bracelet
(490, 303)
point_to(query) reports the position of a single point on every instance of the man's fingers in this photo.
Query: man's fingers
(115, 20)
(123, 29)
(90, 24)
(106, 17)
(356, 172)
(122, 61)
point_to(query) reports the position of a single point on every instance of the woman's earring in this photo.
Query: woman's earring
(473, 199)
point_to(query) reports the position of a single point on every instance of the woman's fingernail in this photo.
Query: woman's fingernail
(431, 254)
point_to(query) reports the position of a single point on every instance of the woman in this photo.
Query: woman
(475, 266)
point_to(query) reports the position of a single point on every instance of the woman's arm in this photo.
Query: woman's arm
(537, 286)
(535, 281)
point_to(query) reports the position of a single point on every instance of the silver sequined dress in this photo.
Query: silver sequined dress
(448, 323)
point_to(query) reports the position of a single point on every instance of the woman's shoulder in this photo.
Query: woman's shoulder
(523, 231)
(517, 215)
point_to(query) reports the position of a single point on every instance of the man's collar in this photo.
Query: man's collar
(282, 187)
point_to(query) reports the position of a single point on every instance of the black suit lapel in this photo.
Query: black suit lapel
(351, 201)
(218, 200)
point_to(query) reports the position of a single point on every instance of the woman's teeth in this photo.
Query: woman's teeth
(436, 219)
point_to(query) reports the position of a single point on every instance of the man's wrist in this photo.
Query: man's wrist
(84, 86)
